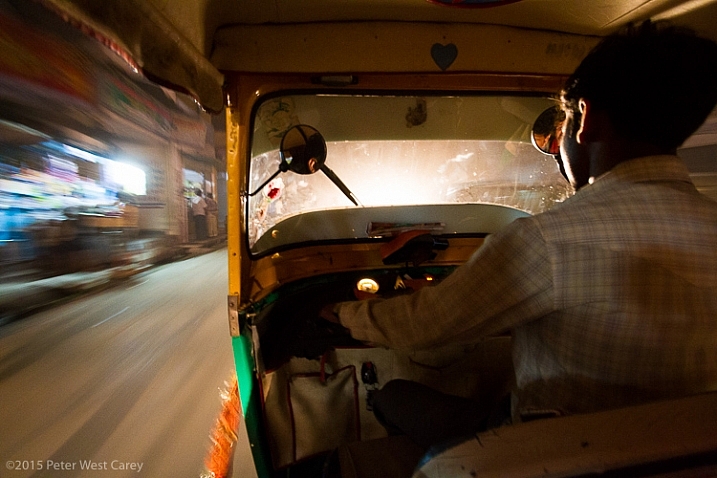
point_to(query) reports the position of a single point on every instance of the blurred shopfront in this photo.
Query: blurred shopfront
(95, 161)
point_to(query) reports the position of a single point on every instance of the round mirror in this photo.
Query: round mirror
(548, 130)
(303, 150)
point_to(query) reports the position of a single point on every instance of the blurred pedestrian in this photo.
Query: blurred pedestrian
(199, 213)
(212, 210)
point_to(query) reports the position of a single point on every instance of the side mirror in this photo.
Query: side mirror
(548, 130)
(302, 150)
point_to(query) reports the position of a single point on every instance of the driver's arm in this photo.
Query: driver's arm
(508, 281)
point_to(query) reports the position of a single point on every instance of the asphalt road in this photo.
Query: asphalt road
(120, 383)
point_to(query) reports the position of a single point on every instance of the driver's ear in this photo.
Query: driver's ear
(586, 121)
(595, 125)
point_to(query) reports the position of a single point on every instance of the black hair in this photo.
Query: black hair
(656, 82)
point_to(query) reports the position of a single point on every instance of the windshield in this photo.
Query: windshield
(401, 152)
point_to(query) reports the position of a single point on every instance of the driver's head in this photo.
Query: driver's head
(656, 83)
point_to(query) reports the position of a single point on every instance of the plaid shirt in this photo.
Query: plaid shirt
(611, 296)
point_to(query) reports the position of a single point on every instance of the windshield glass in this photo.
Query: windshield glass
(401, 151)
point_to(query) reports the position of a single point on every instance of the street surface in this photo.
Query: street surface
(120, 383)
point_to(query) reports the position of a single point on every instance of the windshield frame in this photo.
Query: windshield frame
(541, 94)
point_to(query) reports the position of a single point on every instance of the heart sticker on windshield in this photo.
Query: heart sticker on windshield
(444, 55)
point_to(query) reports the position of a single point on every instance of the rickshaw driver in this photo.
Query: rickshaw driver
(611, 296)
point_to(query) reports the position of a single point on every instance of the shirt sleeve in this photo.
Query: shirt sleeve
(507, 281)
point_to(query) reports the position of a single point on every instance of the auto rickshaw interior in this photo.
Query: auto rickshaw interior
(393, 191)
(374, 194)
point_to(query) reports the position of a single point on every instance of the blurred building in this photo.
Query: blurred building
(97, 164)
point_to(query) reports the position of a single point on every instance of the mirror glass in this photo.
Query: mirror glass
(547, 130)
(303, 150)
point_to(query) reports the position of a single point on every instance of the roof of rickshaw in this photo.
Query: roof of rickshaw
(205, 38)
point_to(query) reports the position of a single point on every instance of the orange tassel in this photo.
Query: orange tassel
(224, 436)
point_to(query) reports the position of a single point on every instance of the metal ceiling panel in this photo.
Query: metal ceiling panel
(172, 40)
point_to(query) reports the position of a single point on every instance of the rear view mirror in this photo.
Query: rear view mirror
(547, 130)
(303, 151)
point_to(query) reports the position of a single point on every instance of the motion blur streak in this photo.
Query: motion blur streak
(140, 387)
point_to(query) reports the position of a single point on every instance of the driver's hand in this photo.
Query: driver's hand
(327, 313)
